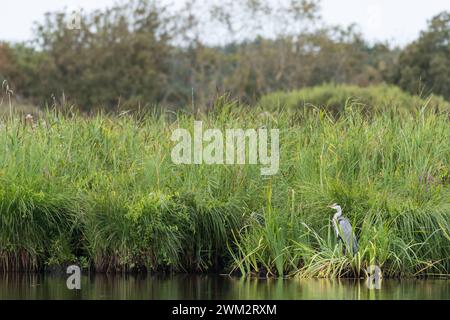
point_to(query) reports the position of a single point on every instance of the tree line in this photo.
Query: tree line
(142, 53)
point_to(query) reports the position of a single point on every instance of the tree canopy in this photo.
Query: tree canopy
(143, 53)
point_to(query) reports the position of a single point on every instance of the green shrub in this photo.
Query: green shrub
(334, 98)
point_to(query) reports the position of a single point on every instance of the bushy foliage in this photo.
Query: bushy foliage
(334, 98)
(424, 65)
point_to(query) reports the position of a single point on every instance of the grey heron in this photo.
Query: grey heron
(344, 231)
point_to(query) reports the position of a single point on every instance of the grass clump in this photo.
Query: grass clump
(390, 174)
(334, 98)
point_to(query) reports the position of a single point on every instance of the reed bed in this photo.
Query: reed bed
(103, 192)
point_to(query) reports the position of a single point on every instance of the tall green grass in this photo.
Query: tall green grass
(103, 191)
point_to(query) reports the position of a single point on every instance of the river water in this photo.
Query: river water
(33, 286)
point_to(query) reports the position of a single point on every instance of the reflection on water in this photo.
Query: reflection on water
(15, 286)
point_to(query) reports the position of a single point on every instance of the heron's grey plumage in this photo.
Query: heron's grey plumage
(344, 230)
(346, 234)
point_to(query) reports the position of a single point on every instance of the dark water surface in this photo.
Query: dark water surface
(16, 286)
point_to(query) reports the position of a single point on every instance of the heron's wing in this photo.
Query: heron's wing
(346, 233)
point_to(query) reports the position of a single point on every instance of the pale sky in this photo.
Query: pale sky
(399, 21)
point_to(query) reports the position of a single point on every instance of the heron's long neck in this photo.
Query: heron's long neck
(338, 214)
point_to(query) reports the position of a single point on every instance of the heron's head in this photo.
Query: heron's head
(335, 206)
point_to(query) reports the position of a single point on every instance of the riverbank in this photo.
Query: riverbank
(103, 192)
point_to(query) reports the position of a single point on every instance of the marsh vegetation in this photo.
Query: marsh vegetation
(102, 191)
